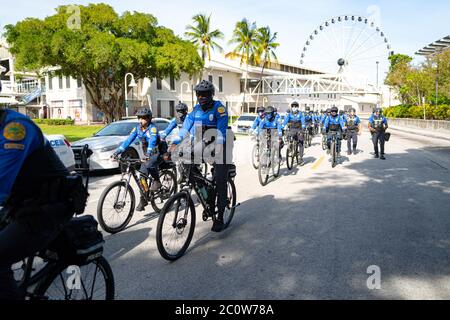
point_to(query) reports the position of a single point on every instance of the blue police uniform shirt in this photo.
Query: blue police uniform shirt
(149, 135)
(19, 137)
(334, 121)
(291, 118)
(309, 117)
(274, 124)
(356, 119)
(215, 117)
(373, 118)
(172, 125)
(323, 118)
(256, 123)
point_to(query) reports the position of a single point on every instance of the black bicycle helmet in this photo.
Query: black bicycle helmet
(294, 104)
(260, 109)
(181, 107)
(145, 112)
(307, 109)
(269, 110)
(378, 110)
(334, 109)
(204, 87)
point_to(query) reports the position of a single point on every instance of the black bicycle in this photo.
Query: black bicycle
(72, 266)
(324, 142)
(176, 222)
(333, 147)
(117, 202)
(293, 152)
(269, 158)
(308, 135)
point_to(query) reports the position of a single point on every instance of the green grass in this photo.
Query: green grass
(72, 133)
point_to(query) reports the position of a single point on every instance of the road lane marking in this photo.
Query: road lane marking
(317, 163)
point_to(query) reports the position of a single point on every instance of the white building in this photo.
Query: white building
(278, 84)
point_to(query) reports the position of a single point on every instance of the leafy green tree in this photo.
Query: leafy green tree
(201, 35)
(265, 47)
(102, 50)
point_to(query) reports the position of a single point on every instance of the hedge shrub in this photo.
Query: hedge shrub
(55, 122)
(441, 112)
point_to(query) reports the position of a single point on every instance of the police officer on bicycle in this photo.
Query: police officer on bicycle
(334, 124)
(272, 121)
(259, 118)
(36, 193)
(209, 116)
(296, 122)
(182, 111)
(147, 133)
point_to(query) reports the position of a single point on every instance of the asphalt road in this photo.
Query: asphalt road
(310, 234)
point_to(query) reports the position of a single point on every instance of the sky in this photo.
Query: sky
(408, 24)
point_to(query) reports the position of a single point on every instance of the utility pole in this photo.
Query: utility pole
(378, 62)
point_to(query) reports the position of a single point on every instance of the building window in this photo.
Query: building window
(60, 82)
(50, 82)
(67, 82)
(220, 84)
(158, 108)
(172, 83)
(158, 84)
(79, 82)
(210, 78)
(172, 108)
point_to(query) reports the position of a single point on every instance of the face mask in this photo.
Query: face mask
(294, 110)
(204, 102)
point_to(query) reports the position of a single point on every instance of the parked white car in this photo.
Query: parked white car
(105, 142)
(63, 149)
(244, 123)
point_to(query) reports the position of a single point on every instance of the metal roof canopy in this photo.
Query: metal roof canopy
(435, 47)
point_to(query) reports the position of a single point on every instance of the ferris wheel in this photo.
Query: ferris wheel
(348, 44)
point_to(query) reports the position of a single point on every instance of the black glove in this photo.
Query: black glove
(115, 155)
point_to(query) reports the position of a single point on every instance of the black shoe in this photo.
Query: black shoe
(382, 157)
(349, 153)
(142, 204)
(376, 156)
(218, 226)
(355, 151)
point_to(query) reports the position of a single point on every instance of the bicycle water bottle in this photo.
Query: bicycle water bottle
(144, 184)
(203, 193)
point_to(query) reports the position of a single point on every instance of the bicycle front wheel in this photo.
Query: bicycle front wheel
(255, 157)
(176, 226)
(168, 188)
(231, 203)
(276, 163)
(93, 281)
(290, 155)
(116, 207)
(333, 155)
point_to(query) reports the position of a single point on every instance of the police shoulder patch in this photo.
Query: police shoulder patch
(221, 109)
(14, 131)
(153, 130)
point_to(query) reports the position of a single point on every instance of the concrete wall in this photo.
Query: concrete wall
(437, 125)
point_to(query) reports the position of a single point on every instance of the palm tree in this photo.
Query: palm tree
(244, 35)
(266, 47)
(201, 36)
